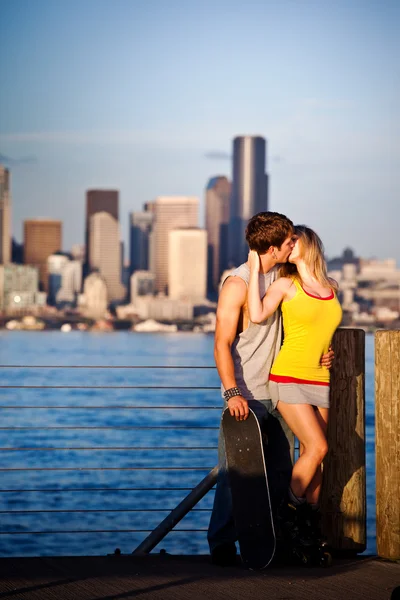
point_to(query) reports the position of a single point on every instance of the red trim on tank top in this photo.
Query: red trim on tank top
(318, 297)
(286, 379)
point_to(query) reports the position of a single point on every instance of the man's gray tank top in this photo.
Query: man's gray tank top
(254, 350)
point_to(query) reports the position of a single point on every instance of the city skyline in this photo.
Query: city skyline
(113, 111)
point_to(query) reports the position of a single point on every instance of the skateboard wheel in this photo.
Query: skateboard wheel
(326, 560)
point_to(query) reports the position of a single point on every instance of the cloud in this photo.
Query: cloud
(24, 160)
(218, 155)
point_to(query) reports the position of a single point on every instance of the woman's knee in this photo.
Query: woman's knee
(317, 448)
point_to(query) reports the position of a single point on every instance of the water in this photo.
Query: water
(115, 514)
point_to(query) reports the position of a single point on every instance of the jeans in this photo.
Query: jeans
(278, 451)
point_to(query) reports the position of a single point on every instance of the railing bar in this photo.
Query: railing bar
(18, 469)
(92, 531)
(117, 407)
(134, 489)
(102, 427)
(97, 510)
(34, 448)
(105, 367)
(106, 387)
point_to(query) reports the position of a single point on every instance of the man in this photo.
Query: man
(244, 353)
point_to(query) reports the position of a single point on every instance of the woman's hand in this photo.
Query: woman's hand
(254, 261)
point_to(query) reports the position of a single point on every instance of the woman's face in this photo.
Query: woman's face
(296, 252)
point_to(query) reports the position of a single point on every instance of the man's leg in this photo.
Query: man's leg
(221, 530)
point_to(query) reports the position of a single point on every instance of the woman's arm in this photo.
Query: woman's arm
(259, 310)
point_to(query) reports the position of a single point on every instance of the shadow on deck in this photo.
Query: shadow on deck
(167, 577)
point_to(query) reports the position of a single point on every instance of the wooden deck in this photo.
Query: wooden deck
(167, 577)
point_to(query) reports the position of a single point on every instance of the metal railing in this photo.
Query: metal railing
(126, 449)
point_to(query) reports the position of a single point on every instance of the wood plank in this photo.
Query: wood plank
(343, 497)
(387, 431)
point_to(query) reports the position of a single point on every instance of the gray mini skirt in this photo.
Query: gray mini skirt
(299, 393)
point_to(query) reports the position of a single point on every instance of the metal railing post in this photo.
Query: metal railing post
(178, 513)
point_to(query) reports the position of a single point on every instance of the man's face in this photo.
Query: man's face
(282, 254)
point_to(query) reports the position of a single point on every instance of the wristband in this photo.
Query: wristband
(231, 393)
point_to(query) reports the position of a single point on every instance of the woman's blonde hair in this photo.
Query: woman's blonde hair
(313, 255)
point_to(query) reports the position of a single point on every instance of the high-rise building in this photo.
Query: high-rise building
(105, 252)
(218, 193)
(55, 266)
(71, 283)
(170, 212)
(187, 264)
(99, 201)
(249, 191)
(42, 237)
(5, 216)
(139, 234)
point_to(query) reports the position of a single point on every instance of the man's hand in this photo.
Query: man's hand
(327, 359)
(238, 408)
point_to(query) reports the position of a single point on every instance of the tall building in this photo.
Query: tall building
(55, 266)
(187, 264)
(139, 234)
(218, 192)
(170, 212)
(249, 191)
(5, 216)
(71, 283)
(105, 252)
(42, 237)
(99, 201)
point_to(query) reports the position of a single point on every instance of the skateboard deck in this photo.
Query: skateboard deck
(250, 493)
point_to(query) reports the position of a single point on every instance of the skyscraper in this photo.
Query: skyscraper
(187, 264)
(249, 191)
(170, 212)
(105, 252)
(139, 232)
(98, 201)
(218, 192)
(5, 216)
(42, 237)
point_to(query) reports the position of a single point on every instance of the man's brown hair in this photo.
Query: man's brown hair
(267, 229)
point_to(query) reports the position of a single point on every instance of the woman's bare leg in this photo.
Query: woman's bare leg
(307, 426)
(314, 489)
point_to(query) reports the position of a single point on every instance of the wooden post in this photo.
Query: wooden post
(343, 499)
(387, 440)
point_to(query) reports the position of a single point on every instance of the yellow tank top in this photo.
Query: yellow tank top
(309, 323)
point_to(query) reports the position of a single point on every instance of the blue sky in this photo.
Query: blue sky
(134, 94)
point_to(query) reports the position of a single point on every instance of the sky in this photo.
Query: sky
(146, 96)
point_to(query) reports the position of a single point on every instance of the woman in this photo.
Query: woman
(299, 384)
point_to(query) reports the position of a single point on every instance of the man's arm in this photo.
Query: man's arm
(230, 303)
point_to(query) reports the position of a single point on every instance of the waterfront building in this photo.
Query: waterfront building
(187, 264)
(142, 283)
(19, 285)
(249, 192)
(94, 300)
(170, 212)
(99, 201)
(105, 252)
(162, 308)
(218, 193)
(42, 237)
(5, 216)
(140, 225)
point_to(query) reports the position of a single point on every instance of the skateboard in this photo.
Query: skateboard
(248, 481)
